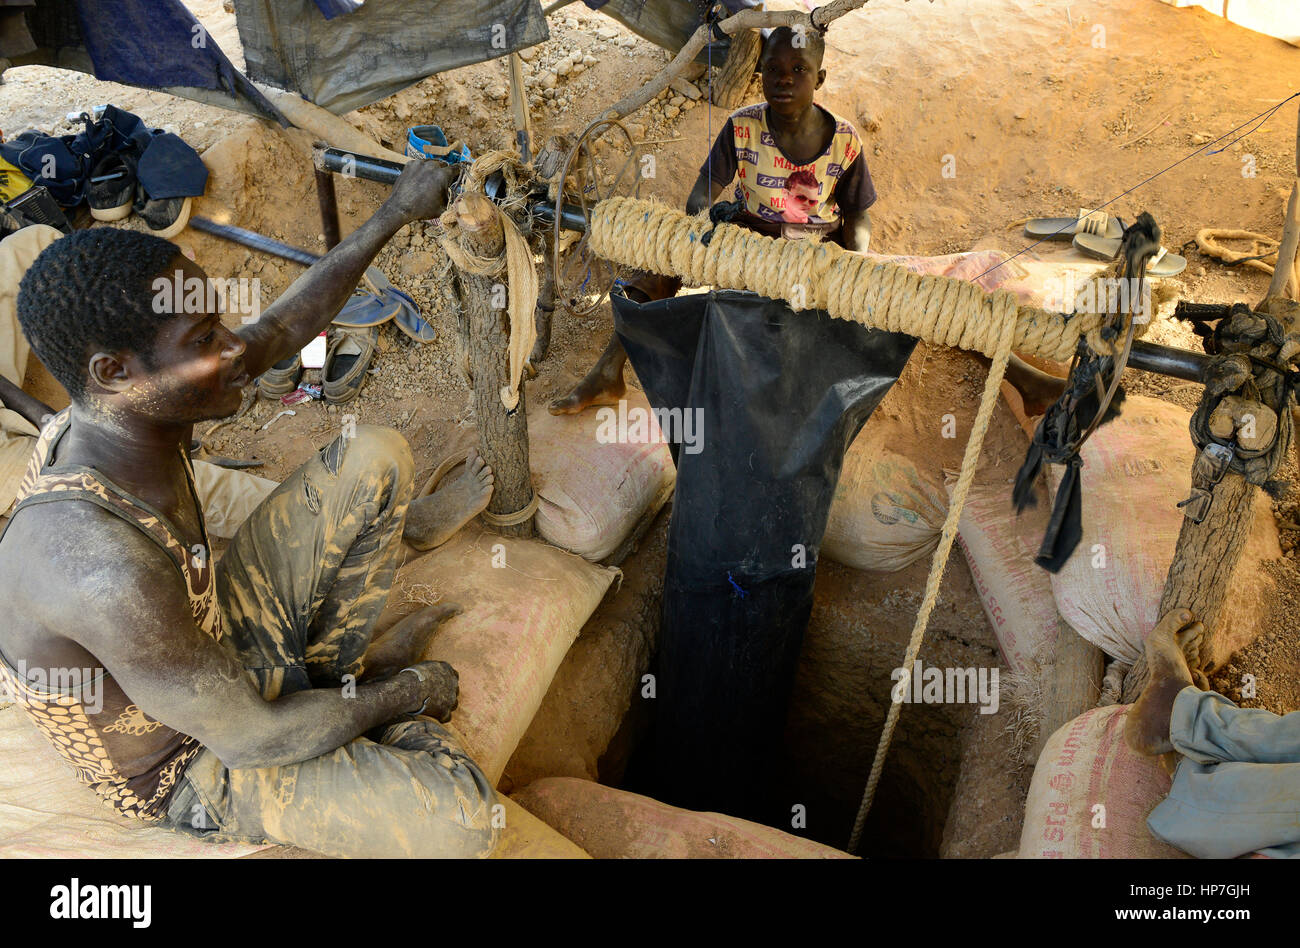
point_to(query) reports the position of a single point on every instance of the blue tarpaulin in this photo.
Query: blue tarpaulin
(157, 44)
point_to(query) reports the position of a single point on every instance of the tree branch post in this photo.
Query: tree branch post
(1208, 552)
(503, 434)
(744, 20)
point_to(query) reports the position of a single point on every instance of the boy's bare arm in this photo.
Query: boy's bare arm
(704, 193)
(132, 613)
(857, 231)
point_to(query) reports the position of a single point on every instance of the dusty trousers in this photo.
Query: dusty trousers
(300, 588)
(1237, 788)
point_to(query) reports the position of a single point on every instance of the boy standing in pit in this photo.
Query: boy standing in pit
(799, 173)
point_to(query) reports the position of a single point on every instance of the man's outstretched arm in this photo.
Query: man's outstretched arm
(704, 193)
(33, 409)
(312, 300)
(857, 230)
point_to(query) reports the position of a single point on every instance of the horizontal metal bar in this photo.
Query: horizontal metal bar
(1166, 360)
(355, 165)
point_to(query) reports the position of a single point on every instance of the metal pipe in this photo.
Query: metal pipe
(329, 209)
(255, 241)
(354, 165)
(1166, 360)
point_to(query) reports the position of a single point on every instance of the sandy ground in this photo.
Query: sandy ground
(976, 114)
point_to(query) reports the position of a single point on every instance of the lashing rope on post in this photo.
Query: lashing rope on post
(516, 262)
(811, 275)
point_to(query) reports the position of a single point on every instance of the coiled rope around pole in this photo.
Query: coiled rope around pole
(808, 275)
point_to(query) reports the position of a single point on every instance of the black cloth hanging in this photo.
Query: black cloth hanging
(780, 396)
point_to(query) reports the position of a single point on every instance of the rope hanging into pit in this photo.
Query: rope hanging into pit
(516, 262)
(969, 461)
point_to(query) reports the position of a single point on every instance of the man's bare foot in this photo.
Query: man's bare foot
(602, 386)
(406, 641)
(1038, 389)
(1147, 727)
(432, 521)
(591, 391)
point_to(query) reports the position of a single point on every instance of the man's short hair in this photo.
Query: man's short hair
(91, 291)
(812, 40)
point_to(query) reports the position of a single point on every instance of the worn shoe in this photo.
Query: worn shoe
(281, 378)
(112, 187)
(346, 362)
(166, 217)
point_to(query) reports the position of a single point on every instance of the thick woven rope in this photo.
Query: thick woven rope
(811, 275)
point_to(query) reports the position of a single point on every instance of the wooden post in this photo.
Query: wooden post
(1071, 683)
(1208, 552)
(1285, 270)
(329, 208)
(503, 435)
(738, 70)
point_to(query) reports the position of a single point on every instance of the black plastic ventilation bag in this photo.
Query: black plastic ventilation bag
(779, 397)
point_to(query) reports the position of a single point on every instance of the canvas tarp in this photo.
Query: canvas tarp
(361, 57)
(155, 44)
(1278, 18)
(669, 23)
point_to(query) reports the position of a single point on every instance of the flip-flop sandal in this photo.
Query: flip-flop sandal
(1064, 228)
(409, 320)
(375, 281)
(365, 309)
(1163, 264)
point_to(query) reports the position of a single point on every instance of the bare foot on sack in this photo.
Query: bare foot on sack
(406, 641)
(432, 521)
(1147, 727)
(601, 387)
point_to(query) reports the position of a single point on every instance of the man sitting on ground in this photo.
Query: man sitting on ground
(1237, 786)
(224, 701)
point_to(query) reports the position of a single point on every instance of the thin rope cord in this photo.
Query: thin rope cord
(939, 562)
(1263, 117)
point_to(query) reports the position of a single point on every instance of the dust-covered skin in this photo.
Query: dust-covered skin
(391, 652)
(85, 589)
(1146, 728)
(431, 521)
